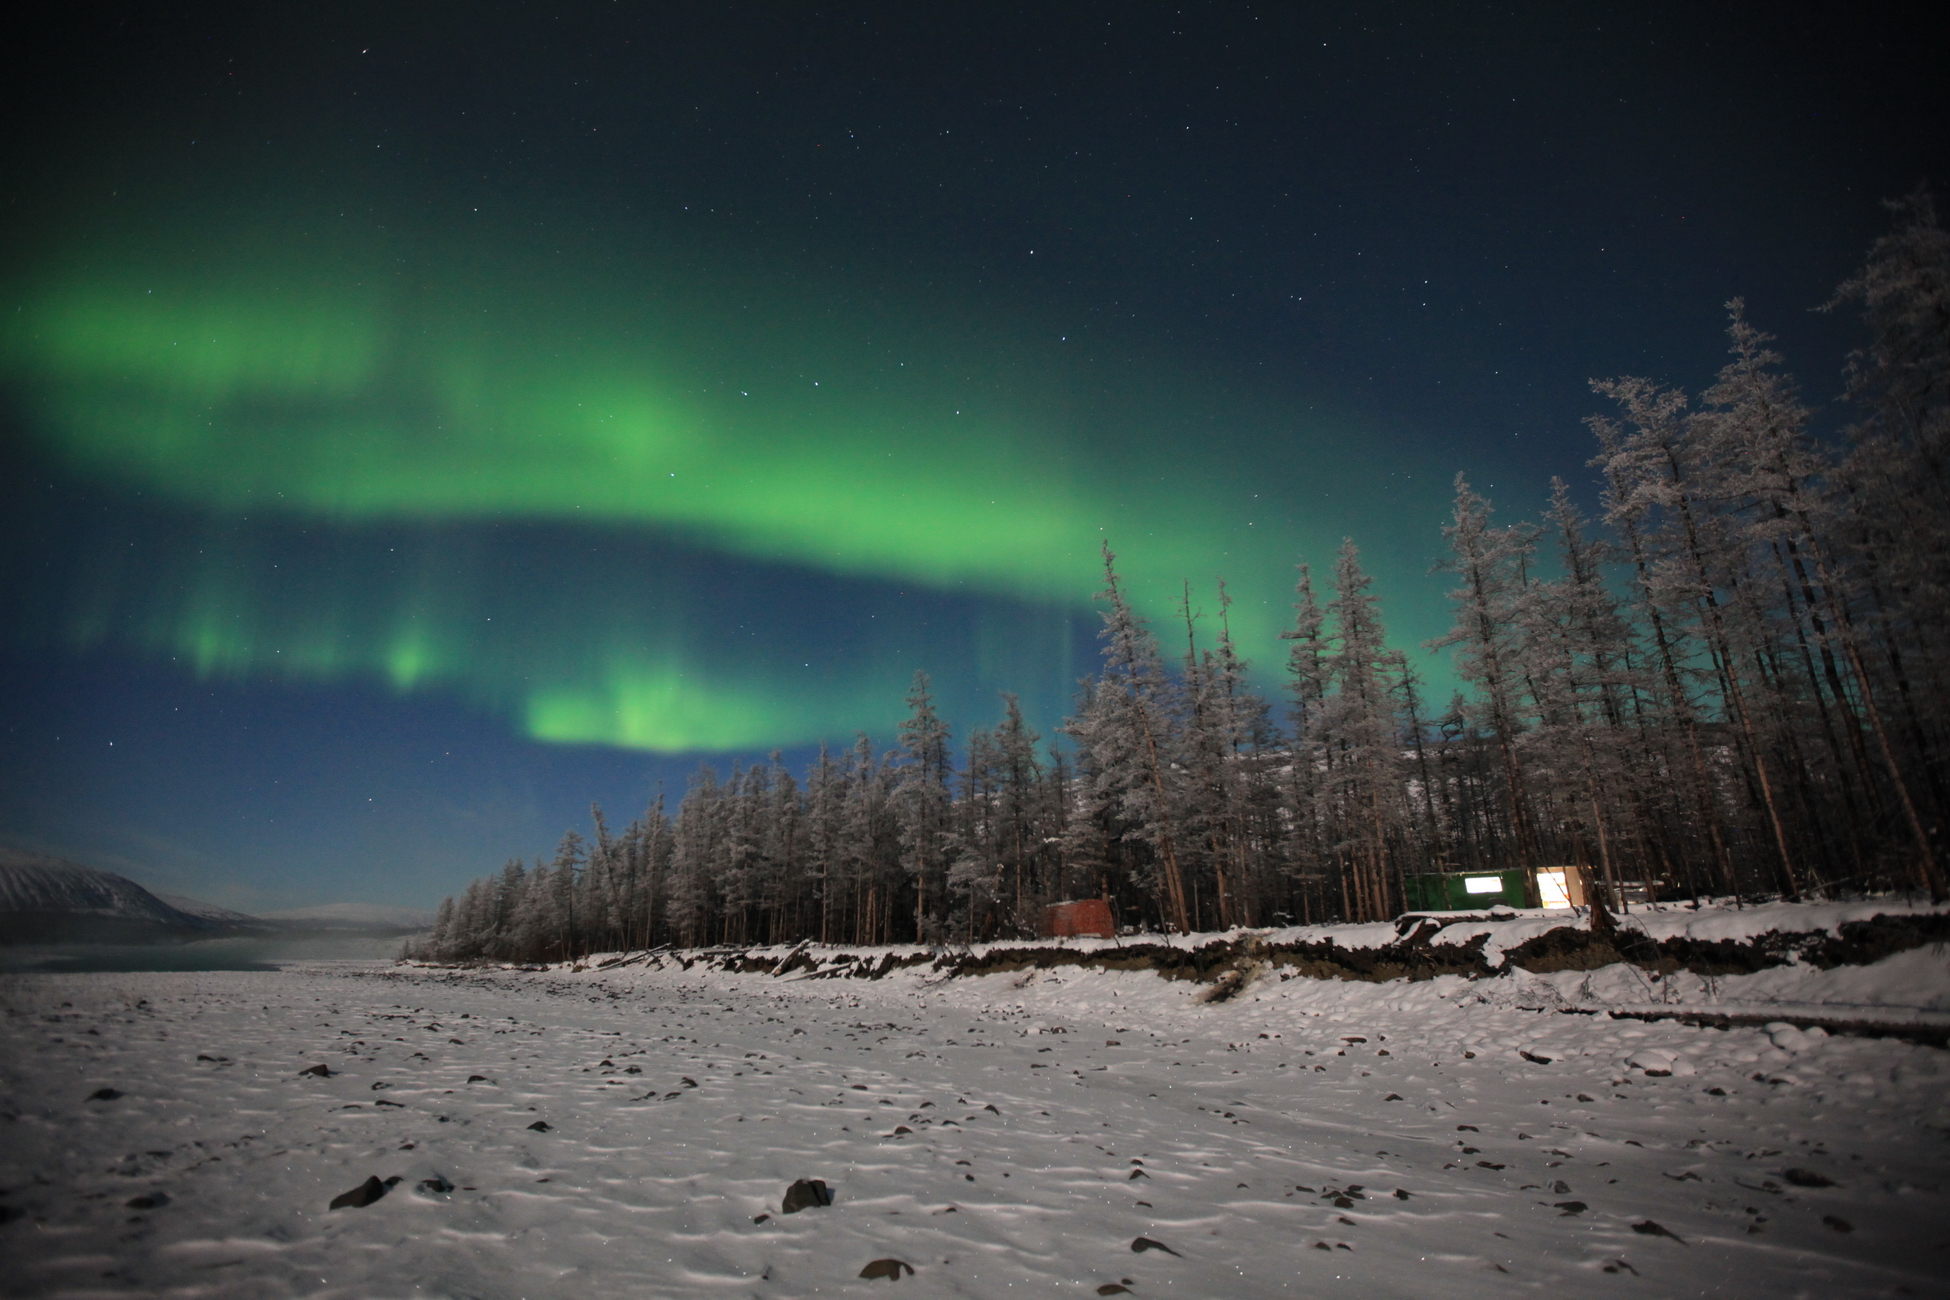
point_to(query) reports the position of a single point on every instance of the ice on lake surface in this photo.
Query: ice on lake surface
(249, 952)
(1003, 1135)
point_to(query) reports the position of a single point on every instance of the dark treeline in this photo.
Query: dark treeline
(1732, 682)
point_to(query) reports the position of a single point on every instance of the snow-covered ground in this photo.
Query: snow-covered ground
(1005, 1135)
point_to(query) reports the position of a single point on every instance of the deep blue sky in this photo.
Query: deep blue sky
(1329, 256)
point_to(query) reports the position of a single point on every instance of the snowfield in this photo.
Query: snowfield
(632, 1131)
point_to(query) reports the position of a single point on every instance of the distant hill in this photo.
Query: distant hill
(48, 900)
(351, 916)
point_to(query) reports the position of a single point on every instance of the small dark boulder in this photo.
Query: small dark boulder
(539, 1126)
(1571, 1208)
(1141, 1244)
(477, 1078)
(151, 1201)
(1807, 1178)
(1647, 1228)
(435, 1186)
(322, 1070)
(103, 1094)
(361, 1196)
(806, 1194)
(891, 1269)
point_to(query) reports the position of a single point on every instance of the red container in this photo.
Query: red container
(1088, 917)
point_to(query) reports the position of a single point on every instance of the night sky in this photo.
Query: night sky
(419, 421)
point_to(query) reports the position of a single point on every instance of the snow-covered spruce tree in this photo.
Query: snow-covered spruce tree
(497, 933)
(651, 848)
(440, 937)
(1355, 731)
(695, 856)
(870, 848)
(1017, 840)
(1897, 471)
(1671, 705)
(1694, 575)
(1222, 720)
(1893, 534)
(1489, 564)
(1307, 685)
(1781, 470)
(740, 883)
(922, 802)
(1576, 653)
(784, 895)
(1760, 471)
(1424, 819)
(1128, 729)
(825, 818)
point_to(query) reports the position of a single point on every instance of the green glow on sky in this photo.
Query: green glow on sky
(358, 384)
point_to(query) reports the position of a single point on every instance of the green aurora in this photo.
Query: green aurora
(252, 375)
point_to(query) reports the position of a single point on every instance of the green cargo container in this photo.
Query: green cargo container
(1466, 891)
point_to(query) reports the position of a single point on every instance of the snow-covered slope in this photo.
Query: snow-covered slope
(46, 899)
(209, 911)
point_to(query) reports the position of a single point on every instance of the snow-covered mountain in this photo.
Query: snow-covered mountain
(209, 911)
(48, 900)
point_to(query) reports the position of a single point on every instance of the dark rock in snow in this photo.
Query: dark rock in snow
(1807, 1178)
(1647, 1228)
(1571, 1207)
(151, 1201)
(1533, 1058)
(806, 1194)
(103, 1094)
(477, 1078)
(539, 1126)
(322, 1070)
(891, 1269)
(435, 1186)
(361, 1196)
(1141, 1244)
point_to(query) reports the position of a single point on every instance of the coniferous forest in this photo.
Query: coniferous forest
(1733, 680)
